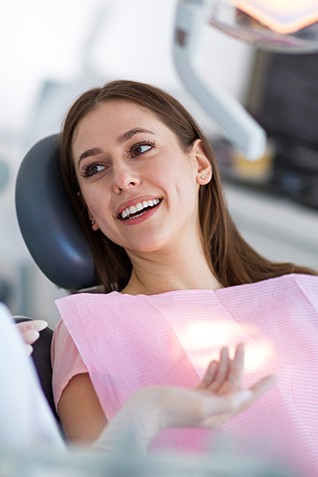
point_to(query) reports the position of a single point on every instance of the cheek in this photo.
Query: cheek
(97, 205)
(94, 193)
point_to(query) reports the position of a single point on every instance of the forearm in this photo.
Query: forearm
(136, 423)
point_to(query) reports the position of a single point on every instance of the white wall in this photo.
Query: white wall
(73, 44)
(46, 40)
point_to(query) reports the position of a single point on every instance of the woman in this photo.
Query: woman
(145, 185)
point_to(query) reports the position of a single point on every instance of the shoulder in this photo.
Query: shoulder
(295, 280)
(62, 341)
(284, 282)
(82, 307)
(80, 301)
(66, 360)
(79, 309)
(298, 291)
(308, 286)
(286, 289)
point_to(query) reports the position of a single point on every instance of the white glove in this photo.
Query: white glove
(30, 332)
(216, 398)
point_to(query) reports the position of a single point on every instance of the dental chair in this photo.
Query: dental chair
(48, 224)
(53, 236)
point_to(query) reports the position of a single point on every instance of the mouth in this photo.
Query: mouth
(138, 209)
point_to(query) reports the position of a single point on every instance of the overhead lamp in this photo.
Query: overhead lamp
(283, 16)
(288, 26)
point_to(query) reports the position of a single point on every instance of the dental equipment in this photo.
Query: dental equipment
(275, 25)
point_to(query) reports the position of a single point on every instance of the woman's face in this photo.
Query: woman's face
(140, 187)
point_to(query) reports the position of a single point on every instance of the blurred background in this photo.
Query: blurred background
(52, 51)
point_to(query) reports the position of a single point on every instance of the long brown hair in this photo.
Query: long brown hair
(230, 257)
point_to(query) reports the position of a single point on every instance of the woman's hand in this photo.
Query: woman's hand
(30, 331)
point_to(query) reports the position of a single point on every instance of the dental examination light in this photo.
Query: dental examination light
(287, 26)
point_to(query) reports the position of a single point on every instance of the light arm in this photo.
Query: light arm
(235, 122)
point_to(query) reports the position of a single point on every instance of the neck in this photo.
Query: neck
(159, 274)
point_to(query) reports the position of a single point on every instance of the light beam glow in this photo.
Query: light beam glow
(203, 341)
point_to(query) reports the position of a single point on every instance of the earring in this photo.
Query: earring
(202, 177)
(93, 222)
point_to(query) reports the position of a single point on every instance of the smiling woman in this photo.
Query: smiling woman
(145, 184)
(122, 169)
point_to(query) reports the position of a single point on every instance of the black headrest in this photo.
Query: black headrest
(47, 221)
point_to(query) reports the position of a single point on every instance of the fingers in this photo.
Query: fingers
(30, 330)
(221, 371)
(235, 373)
(256, 391)
(178, 407)
(223, 407)
(28, 349)
(39, 325)
(30, 336)
(209, 375)
(219, 409)
(225, 375)
(36, 325)
(261, 387)
(231, 403)
(237, 366)
(199, 408)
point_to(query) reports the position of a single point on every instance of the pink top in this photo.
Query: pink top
(126, 342)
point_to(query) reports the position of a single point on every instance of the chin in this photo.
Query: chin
(146, 247)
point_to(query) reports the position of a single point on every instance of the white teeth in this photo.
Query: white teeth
(138, 207)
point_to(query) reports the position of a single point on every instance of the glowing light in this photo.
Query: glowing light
(203, 341)
(282, 16)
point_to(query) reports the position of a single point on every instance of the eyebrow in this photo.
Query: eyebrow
(129, 134)
(94, 151)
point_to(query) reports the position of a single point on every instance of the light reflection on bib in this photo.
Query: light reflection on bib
(203, 341)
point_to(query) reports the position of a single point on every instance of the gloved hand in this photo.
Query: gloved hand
(30, 331)
(211, 403)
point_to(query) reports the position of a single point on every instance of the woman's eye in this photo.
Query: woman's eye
(93, 169)
(139, 149)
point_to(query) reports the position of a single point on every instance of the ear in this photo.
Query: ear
(90, 215)
(203, 165)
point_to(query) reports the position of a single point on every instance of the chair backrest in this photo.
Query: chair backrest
(47, 221)
(53, 236)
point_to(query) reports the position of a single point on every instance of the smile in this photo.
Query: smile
(138, 209)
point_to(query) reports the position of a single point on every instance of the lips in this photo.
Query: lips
(138, 209)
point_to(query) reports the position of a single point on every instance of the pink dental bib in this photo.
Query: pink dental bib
(126, 342)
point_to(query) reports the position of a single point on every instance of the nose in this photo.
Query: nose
(124, 178)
